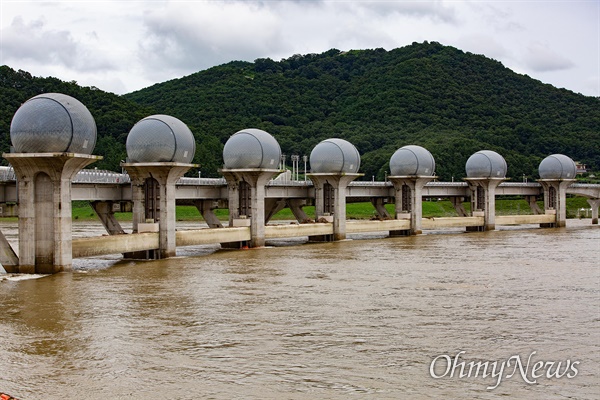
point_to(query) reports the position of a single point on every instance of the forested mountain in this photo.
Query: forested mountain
(450, 102)
(114, 115)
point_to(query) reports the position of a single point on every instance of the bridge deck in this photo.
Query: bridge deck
(116, 187)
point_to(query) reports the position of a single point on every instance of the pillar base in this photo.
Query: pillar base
(484, 202)
(246, 193)
(320, 239)
(45, 220)
(555, 199)
(475, 228)
(166, 174)
(338, 183)
(236, 245)
(409, 205)
(594, 204)
(401, 232)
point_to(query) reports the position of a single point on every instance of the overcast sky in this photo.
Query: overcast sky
(122, 46)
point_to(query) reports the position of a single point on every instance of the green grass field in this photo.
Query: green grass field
(82, 211)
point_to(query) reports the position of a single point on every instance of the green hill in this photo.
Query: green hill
(451, 102)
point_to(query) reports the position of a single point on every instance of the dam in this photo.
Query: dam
(47, 173)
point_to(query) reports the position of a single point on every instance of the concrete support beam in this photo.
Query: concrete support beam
(483, 199)
(8, 257)
(389, 225)
(379, 205)
(136, 243)
(213, 236)
(532, 201)
(457, 203)
(339, 182)
(524, 219)
(298, 230)
(247, 186)
(594, 203)
(138, 199)
(45, 221)
(206, 208)
(452, 222)
(555, 200)
(411, 203)
(9, 209)
(104, 211)
(166, 174)
(272, 207)
(296, 208)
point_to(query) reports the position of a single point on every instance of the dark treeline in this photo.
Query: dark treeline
(450, 102)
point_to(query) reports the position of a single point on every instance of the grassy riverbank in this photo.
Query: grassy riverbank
(82, 211)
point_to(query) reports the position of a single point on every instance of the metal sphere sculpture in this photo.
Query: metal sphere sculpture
(412, 161)
(557, 166)
(486, 164)
(334, 156)
(53, 123)
(251, 148)
(160, 138)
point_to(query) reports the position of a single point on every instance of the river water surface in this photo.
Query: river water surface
(362, 318)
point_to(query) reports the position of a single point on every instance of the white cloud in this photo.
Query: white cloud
(541, 58)
(483, 44)
(436, 10)
(188, 37)
(35, 42)
(129, 45)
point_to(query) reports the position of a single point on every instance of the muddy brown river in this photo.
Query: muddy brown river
(373, 317)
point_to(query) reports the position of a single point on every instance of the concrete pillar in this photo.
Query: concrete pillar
(594, 203)
(166, 174)
(339, 182)
(555, 200)
(409, 200)
(252, 180)
(44, 185)
(483, 200)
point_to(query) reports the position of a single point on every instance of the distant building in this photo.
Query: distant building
(581, 168)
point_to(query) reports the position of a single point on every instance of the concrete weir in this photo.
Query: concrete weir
(42, 209)
(238, 236)
(53, 137)
(96, 246)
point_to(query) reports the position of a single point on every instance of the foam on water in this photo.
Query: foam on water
(20, 277)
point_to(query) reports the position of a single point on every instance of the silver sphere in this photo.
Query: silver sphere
(160, 138)
(53, 123)
(251, 148)
(334, 156)
(412, 161)
(486, 164)
(557, 166)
